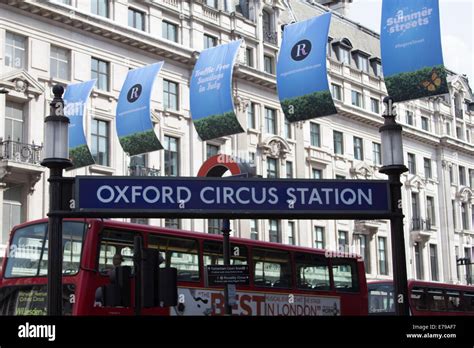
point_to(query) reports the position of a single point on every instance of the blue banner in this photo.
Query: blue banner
(75, 104)
(134, 126)
(212, 105)
(233, 197)
(301, 70)
(412, 58)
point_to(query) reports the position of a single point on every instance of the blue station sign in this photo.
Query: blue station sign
(231, 197)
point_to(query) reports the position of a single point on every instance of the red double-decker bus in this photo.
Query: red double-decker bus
(284, 280)
(425, 298)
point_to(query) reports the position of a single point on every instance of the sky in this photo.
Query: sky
(457, 30)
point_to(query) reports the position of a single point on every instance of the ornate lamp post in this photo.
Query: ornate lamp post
(56, 158)
(393, 166)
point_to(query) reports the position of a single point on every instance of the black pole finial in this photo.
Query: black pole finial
(58, 91)
(57, 104)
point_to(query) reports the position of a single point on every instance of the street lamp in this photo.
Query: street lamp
(393, 166)
(56, 153)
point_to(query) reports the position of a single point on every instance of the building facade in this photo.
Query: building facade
(43, 43)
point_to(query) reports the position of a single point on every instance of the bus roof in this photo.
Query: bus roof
(413, 282)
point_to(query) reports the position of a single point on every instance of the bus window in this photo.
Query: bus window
(468, 302)
(29, 250)
(180, 253)
(115, 242)
(436, 300)
(454, 300)
(312, 272)
(419, 299)
(213, 254)
(381, 298)
(272, 268)
(345, 275)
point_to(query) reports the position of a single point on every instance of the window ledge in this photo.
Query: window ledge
(176, 113)
(253, 131)
(106, 94)
(100, 169)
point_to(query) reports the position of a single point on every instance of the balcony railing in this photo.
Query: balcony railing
(270, 36)
(143, 171)
(418, 224)
(20, 152)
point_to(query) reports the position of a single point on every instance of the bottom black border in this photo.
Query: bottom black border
(242, 331)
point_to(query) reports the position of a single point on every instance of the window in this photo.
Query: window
(468, 136)
(100, 141)
(344, 55)
(59, 62)
(289, 169)
(171, 146)
(209, 41)
(451, 174)
(375, 105)
(471, 178)
(377, 68)
(425, 125)
(211, 3)
(312, 272)
(100, 71)
(254, 229)
(249, 57)
(317, 173)
(383, 262)
(213, 254)
(100, 7)
(113, 242)
(274, 231)
(319, 242)
(340, 177)
(315, 131)
(358, 149)
(211, 150)
(434, 262)
(252, 158)
(272, 168)
(14, 121)
(291, 233)
(287, 129)
(459, 133)
(409, 117)
(345, 275)
(462, 176)
(453, 211)
(136, 19)
(411, 163)
(173, 223)
(415, 206)
(338, 140)
(169, 31)
(427, 167)
(15, 51)
(336, 91)
(456, 253)
(465, 222)
(342, 241)
(170, 95)
(357, 99)
(140, 221)
(363, 63)
(12, 211)
(251, 116)
(430, 210)
(268, 64)
(180, 253)
(448, 128)
(419, 261)
(213, 226)
(365, 251)
(272, 268)
(270, 120)
(377, 153)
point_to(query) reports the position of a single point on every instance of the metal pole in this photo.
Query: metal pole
(398, 247)
(137, 260)
(55, 250)
(226, 248)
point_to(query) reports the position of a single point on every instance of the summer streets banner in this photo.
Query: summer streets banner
(212, 106)
(75, 99)
(301, 70)
(412, 57)
(134, 126)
